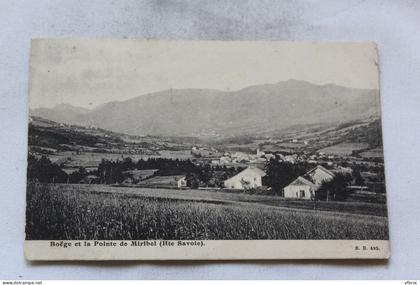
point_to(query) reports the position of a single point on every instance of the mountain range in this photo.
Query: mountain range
(259, 109)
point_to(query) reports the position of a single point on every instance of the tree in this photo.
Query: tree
(192, 180)
(128, 163)
(206, 174)
(43, 170)
(111, 171)
(334, 189)
(78, 175)
(358, 179)
(280, 173)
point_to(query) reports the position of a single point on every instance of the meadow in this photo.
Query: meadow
(93, 159)
(344, 148)
(73, 212)
(236, 196)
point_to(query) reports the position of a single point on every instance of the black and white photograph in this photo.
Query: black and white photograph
(198, 141)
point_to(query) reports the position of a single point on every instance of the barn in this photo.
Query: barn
(300, 188)
(318, 175)
(172, 181)
(250, 178)
(304, 187)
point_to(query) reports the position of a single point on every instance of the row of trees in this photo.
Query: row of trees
(111, 172)
(44, 171)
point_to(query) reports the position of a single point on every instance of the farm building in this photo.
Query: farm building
(304, 187)
(318, 175)
(172, 181)
(90, 179)
(343, 170)
(249, 178)
(300, 188)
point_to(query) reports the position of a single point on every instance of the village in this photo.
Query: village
(288, 176)
(323, 168)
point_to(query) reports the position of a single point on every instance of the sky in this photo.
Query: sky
(88, 73)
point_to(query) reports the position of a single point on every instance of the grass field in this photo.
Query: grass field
(344, 148)
(78, 212)
(229, 197)
(92, 159)
(373, 153)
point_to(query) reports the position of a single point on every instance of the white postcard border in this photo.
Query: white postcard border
(38, 250)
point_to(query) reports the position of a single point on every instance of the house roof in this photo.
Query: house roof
(255, 170)
(321, 168)
(164, 179)
(302, 181)
(343, 170)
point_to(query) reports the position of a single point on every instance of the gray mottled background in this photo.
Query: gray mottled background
(394, 25)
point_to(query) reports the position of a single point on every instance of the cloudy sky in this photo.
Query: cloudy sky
(88, 73)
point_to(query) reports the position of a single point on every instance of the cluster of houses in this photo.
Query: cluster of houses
(252, 177)
(237, 158)
(204, 152)
(303, 187)
(215, 157)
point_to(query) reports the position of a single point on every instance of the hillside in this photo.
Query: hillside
(262, 109)
(52, 135)
(49, 137)
(63, 113)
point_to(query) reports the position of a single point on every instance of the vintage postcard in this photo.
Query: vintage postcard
(204, 150)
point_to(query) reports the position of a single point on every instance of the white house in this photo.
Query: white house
(304, 187)
(300, 188)
(290, 158)
(182, 182)
(249, 178)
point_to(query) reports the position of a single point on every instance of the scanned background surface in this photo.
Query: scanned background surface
(393, 25)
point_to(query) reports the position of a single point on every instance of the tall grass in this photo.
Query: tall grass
(61, 212)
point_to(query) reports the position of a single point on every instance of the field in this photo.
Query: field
(92, 159)
(344, 148)
(230, 197)
(373, 153)
(78, 212)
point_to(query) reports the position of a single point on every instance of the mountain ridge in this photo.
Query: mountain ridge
(201, 112)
